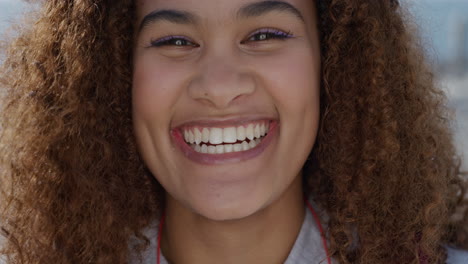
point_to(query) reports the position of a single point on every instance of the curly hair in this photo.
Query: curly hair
(73, 188)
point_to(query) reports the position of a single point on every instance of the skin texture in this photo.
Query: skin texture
(226, 80)
(220, 212)
(74, 188)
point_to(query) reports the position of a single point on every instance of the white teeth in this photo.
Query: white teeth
(237, 147)
(197, 148)
(228, 148)
(191, 137)
(241, 133)
(216, 136)
(249, 132)
(211, 149)
(245, 145)
(263, 130)
(257, 131)
(205, 135)
(198, 136)
(229, 135)
(204, 149)
(220, 149)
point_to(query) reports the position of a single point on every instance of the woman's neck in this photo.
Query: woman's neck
(267, 236)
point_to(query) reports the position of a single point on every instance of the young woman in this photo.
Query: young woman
(225, 131)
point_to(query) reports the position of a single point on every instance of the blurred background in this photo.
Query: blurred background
(443, 26)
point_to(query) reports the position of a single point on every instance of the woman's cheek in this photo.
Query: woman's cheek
(155, 85)
(292, 78)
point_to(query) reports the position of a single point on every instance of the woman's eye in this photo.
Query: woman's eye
(259, 35)
(178, 41)
(268, 34)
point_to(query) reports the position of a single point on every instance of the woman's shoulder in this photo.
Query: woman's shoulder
(456, 256)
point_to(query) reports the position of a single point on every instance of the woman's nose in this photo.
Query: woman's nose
(221, 80)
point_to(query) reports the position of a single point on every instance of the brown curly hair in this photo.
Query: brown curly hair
(74, 190)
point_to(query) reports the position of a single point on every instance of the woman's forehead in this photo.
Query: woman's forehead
(224, 9)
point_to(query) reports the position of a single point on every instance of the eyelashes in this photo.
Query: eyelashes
(173, 41)
(257, 36)
(268, 33)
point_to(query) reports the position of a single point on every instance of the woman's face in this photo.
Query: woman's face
(225, 99)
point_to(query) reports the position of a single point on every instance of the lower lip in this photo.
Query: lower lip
(232, 157)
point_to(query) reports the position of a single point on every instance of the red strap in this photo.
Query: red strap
(322, 233)
(158, 250)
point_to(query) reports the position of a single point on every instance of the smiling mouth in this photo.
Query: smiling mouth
(216, 140)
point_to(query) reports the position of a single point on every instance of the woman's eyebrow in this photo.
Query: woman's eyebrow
(263, 7)
(169, 15)
(255, 9)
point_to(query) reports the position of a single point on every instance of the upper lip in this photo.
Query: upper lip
(222, 122)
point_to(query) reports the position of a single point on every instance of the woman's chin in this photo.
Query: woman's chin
(228, 213)
(218, 209)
